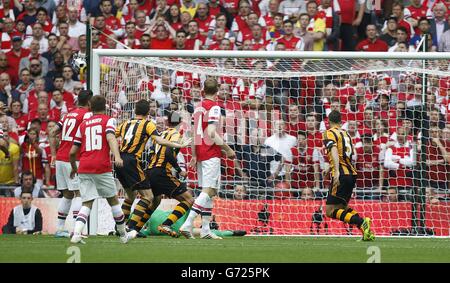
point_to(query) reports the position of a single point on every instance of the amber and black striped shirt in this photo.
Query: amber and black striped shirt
(166, 157)
(342, 140)
(135, 134)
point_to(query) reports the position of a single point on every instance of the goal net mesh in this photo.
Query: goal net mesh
(274, 113)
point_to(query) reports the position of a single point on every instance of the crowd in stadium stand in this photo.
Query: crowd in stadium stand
(43, 41)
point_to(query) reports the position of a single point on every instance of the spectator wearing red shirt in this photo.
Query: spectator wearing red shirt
(20, 118)
(438, 161)
(160, 10)
(194, 39)
(417, 10)
(42, 114)
(214, 42)
(16, 53)
(372, 43)
(303, 172)
(103, 31)
(26, 84)
(162, 39)
(180, 40)
(112, 23)
(399, 159)
(353, 111)
(130, 39)
(349, 22)
(43, 19)
(314, 136)
(141, 23)
(385, 112)
(370, 170)
(380, 135)
(240, 20)
(366, 127)
(173, 16)
(289, 39)
(58, 83)
(28, 16)
(266, 19)
(203, 18)
(294, 124)
(398, 12)
(58, 106)
(246, 33)
(34, 158)
(257, 39)
(5, 67)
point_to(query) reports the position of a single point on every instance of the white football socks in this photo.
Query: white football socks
(81, 220)
(63, 211)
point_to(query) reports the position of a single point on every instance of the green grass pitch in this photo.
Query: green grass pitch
(28, 248)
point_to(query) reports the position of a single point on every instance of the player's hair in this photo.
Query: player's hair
(211, 86)
(84, 97)
(174, 118)
(98, 104)
(142, 107)
(335, 117)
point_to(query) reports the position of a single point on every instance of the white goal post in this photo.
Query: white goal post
(387, 99)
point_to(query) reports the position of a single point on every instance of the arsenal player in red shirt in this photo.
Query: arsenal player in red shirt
(68, 126)
(94, 140)
(206, 154)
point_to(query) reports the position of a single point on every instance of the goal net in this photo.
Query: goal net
(274, 110)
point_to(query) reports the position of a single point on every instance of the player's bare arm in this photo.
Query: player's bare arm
(217, 139)
(159, 140)
(335, 157)
(53, 142)
(73, 160)
(114, 146)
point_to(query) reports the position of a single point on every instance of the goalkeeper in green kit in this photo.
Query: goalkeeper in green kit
(159, 216)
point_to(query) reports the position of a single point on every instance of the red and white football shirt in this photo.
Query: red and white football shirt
(206, 113)
(69, 125)
(91, 136)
